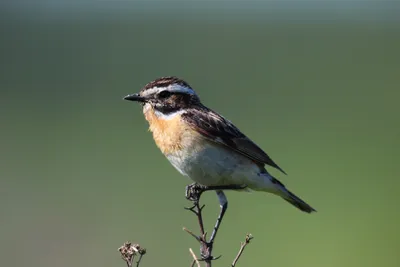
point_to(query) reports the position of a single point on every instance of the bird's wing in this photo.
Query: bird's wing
(219, 130)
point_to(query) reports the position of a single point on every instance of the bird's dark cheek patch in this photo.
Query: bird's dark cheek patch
(166, 108)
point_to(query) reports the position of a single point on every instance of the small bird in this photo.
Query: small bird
(203, 145)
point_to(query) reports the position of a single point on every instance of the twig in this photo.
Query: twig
(193, 193)
(139, 260)
(192, 234)
(249, 237)
(195, 260)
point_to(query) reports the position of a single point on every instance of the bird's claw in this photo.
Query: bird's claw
(194, 191)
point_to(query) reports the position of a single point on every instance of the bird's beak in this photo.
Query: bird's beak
(135, 97)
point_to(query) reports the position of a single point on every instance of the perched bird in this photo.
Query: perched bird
(203, 145)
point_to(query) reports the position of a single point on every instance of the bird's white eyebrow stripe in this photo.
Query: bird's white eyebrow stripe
(174, 88)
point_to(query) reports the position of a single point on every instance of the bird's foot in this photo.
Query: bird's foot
(194, 191)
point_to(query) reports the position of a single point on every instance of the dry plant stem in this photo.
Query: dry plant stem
(139, 260)
(205, 247)
(195, 260)
(249, 237)
(193, 193)
(192, 234)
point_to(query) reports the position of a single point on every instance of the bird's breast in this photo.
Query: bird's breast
(171, 135)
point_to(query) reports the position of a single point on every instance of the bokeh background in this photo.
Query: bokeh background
(316, 84)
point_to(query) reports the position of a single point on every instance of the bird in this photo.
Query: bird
(203, 145)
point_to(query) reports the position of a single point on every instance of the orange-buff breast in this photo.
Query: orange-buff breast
(171, 135)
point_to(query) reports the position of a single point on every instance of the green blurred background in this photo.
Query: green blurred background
(314, 84)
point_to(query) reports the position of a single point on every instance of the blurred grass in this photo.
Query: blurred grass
(80, 174)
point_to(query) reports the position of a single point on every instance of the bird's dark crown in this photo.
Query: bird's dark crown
(164, 82)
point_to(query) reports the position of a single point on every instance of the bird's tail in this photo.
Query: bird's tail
(296, 201)
(290, 197)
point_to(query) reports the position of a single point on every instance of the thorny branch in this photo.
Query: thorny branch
(129, 251)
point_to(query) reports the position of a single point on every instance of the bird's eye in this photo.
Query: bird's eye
(164, 94)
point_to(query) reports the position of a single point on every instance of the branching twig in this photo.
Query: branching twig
(129, 251)
(193, 193)
(249, 237)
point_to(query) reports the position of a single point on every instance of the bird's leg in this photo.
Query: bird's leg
(223, 203)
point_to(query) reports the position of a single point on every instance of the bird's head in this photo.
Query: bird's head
(166, 95)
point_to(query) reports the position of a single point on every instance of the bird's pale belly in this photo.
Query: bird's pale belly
(211, 164)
